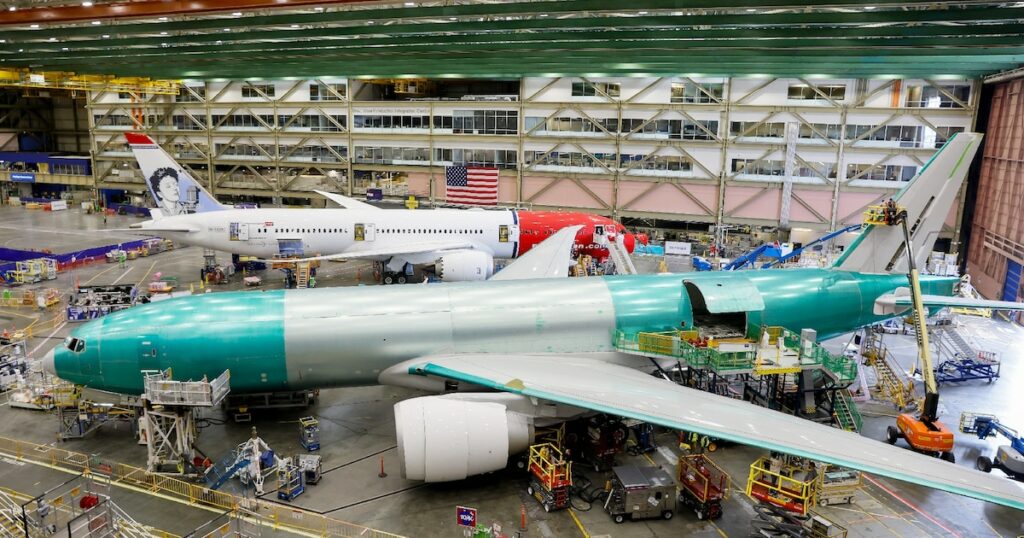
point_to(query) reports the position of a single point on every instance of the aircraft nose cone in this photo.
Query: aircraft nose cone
(630, 242)
(48, 362)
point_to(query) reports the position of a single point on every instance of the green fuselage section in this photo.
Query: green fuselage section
(318, 338)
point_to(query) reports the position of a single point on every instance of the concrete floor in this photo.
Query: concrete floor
(358, 430)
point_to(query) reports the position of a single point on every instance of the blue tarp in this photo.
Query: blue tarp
(23, 255)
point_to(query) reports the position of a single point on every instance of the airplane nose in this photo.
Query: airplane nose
(48, 363)
(630, 242)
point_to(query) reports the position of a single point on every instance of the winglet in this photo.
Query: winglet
(550, 259)
(345, 201)
(928, 199)
(172, 187)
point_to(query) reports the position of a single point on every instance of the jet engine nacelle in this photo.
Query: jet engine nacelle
(464, 266)
(441, 439)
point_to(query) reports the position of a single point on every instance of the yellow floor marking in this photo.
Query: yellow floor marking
(97, 275)
(572, 514)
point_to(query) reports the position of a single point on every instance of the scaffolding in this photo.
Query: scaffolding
(170, 409)
(77, 417)
(770, 367)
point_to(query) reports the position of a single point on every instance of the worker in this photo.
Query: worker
(312, 281)
(122, 257)
(890, 212)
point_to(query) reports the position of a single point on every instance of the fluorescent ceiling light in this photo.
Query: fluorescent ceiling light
(237, 14)
(97, 23)
(33, 26)
(86, 4)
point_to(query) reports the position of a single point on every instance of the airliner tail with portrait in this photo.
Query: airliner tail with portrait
(174, 190)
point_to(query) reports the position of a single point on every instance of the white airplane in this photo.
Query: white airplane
(461, 244)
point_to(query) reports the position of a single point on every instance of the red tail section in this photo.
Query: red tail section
(536, 226)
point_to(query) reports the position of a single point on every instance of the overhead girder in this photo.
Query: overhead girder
(958, 38)
(152, 8)
(349, 34)
(1012, 35)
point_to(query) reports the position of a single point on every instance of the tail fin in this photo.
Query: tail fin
(928, 198)
(173, 189)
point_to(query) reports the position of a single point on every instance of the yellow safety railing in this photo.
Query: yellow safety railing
(285, 517)
(665, 343)
(39, 327)
(779, 487)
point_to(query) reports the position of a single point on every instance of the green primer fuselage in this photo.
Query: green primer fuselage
(318, 338)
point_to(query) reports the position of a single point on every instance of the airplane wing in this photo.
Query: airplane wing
(964, 302)
(346, 202)
(411, 248)
(608, 388)
(895, 303)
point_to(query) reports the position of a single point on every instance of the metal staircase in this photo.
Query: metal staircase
(10, 517)
(891, 383)
(846, 413)
(620, 257)
(220, 473)
(959, 344)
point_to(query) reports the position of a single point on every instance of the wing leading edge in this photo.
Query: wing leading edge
(895, 303)
(608, 388)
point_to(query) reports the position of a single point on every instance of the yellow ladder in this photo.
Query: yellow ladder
(890, 384)
(302, 275)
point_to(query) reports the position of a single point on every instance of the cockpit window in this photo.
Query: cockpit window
(74, 344)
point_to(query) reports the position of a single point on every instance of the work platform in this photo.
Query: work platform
(771, 367)
(754, 354)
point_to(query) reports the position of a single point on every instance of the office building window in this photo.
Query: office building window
(592, 89)
(835, 92)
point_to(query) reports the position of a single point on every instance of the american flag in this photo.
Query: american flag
(471, 185)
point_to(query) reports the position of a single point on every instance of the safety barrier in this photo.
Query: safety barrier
(39, 327)
(271, 514)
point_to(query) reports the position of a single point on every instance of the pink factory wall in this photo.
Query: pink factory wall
(566, 193)
(853, 202)
(764, 206)
(419, 183)
(667, 199)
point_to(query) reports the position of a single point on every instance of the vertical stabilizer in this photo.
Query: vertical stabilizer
(172, 187)
(928, 199)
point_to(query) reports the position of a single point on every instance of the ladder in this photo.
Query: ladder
(302, 275)
(891, 385)
(620, 257)
(846, 413)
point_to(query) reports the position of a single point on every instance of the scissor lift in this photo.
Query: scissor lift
(309, 433)
(702, 485)
(550, 476)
